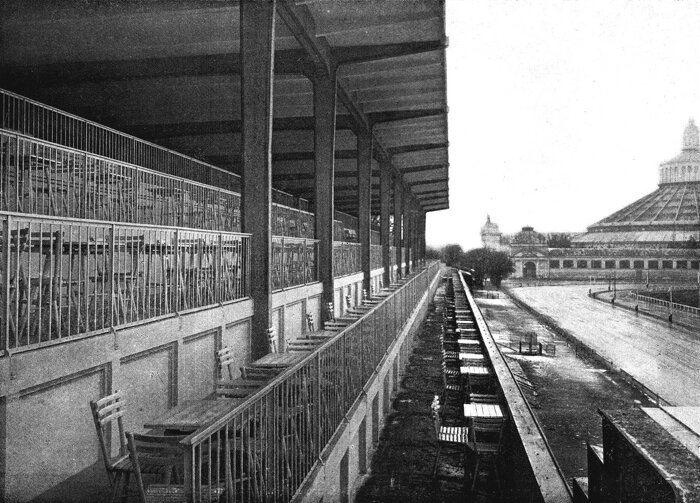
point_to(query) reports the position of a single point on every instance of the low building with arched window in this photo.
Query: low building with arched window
(655, 238)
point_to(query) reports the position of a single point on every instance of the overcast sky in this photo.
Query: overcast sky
(561, 111)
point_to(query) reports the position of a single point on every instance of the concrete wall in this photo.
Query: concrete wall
(289, 310)
(49, 434)
(347, 458)
(351, 285)
(46, 429)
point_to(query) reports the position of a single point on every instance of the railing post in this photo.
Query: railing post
(219, 270)
(110, 268)
(317, 401)
(5, 288)
(176, 271)
(283, 267)
(188, 475)
(307, 269)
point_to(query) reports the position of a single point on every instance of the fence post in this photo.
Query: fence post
(176, 271)
(188, 475)
(317, 401)
(5, 288)
(219, 270)
(110, 268)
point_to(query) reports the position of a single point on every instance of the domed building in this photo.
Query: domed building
(655, 238)
(669, 217)
(491, 236)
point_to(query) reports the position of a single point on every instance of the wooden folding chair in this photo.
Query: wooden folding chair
(162, 454)
(228, 386)
(105, 412)
(310, 325)
(485, 438)
(446, 435)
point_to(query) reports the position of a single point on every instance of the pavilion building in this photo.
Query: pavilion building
(654, 238)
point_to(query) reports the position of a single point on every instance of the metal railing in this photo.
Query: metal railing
(46, 179)
(43, 122)
(671, 306)
(346, 258)
(56, 163)
(294, 262)
(375, 256)
(263, 448)
(61, 278)
(292, 222)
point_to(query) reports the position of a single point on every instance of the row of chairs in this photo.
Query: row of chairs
(461, 345)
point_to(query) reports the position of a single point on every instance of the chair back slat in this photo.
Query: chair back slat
(117, 395)
(104, 411)
(113, 408)
(225, 358)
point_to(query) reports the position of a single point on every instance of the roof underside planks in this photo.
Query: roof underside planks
(169, 72)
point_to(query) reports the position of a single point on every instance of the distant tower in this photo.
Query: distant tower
(691, 139)
(490, 235)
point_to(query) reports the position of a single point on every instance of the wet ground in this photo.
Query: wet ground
(564, 389)
(663, 357)
(402, 464)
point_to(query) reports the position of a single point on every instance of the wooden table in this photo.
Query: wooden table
(472, 369)
(472, 357)
(192, 415)
(279, 360)
(488, 410)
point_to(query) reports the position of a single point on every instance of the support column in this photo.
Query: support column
(364, 202)
(408, 232)
(257, 32)
(324, 157)
(384, 201)
(398, 214)
(421, 230)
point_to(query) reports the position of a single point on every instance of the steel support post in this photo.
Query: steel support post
(364, 202)
(257, 31)
(408, 233)
(398, 215)
(324, 150)
(384, 209)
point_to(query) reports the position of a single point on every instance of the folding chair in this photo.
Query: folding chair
(485, 438)
(165, 453)
(446, 435)
(227, 386)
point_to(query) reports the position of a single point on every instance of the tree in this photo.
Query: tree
(486, 263)
(433, 253)
(499, 267)
(452, 254)
(562, 240)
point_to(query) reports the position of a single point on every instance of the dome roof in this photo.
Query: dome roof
(673, 205)
(528, 236)
(669, 214)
